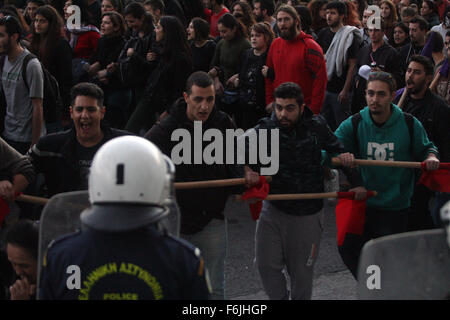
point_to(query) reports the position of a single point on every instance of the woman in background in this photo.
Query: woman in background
(55, 54)
(202, 46)
(389, 15)
(110, 45)
(166, 83)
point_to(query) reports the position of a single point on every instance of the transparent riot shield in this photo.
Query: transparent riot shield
(410, 266)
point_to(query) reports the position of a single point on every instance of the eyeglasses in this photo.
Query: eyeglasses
(90, 109)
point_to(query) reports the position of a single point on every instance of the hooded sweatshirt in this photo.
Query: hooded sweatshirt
(300, 61)
(389, 142)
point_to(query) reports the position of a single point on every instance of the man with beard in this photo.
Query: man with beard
(24, 119)
(381, 131)
(65, 157)
(296, 57)
(288, 232)
(434, 114)
(263, 11)
(418, 28)
(341, 45)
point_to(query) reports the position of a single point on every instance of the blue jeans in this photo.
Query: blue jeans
(335, 112)
(212, 242)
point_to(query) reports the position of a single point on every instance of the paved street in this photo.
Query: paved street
(332, 280)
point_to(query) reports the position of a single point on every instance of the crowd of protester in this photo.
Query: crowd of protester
(140, 53)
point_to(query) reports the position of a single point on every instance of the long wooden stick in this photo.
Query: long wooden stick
(213, 183)
(299, 196)
(178, 186)
(402, 98)
(381, 163)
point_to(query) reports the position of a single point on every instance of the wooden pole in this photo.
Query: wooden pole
(299, 196)
(381, 163)
(212, 183)
(178, 186)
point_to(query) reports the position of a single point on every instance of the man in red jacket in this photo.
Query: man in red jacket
(296, 57)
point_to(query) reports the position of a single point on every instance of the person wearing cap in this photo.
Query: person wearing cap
(123, 251)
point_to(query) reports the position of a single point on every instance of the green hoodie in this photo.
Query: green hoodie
(389, 142)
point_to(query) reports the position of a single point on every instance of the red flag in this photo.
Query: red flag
(350, 215)
(4, 210)
(436, 180)
(260, 191)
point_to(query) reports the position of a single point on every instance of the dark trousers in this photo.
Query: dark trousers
(378, 223)
(420, 215)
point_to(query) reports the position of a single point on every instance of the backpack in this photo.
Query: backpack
(52, 102)
(409, 119)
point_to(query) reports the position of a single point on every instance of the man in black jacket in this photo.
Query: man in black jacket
(381, 57)
(202, 220)
(65, 157)
(434, 114)
(288, 232)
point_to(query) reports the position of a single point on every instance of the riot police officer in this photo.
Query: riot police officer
(123, 250)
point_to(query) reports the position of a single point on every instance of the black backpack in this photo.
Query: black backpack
(52, 102)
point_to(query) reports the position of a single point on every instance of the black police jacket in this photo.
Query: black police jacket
(143, 264)
(198, 206)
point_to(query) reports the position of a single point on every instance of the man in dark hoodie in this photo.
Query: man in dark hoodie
(202, 220)
(288, 232)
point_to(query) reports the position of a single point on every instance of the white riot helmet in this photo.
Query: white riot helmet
(129, 182)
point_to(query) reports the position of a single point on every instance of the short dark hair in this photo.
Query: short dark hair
(423, 24)
(87, 89)
(268, 5)
(339, 6)
(408, 12)
(424, 61)
(447, 34)
(289, 90)
(201, 28)
(24, 234)
(200, 79)
(12, 26)
(385, 77)
(156, 5)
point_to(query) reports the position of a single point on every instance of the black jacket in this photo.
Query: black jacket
(387, 59)
(300, 156)
(434, 114)
(60, 66)
(198, 206)
(55, 156)
(167, 82)
(108, 51)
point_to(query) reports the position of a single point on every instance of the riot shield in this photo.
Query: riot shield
(61, 215)
(406, 266)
